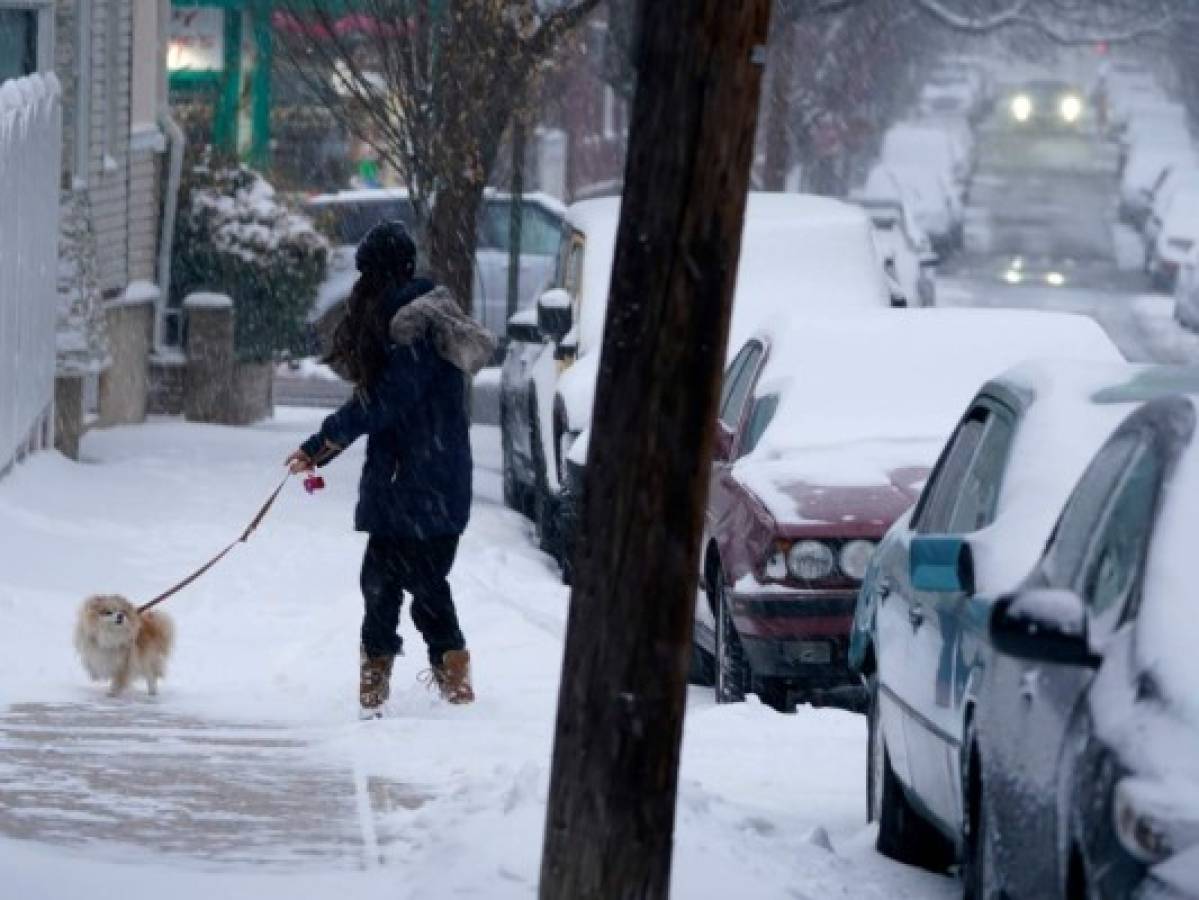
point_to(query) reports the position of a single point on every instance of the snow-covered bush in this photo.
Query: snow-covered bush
(235, 236)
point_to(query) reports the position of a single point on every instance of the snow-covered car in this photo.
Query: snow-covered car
(798, 252)
(1186, 292)
(1175, 181)
(1179, 234)
(1155, 123)
(810, 472)
(926, 145)
(346, 216)
(1143, 171)
(1083, 756)
(920, 635)
(949, 93)
(925, 192)
(906, 251)
(1046, 105)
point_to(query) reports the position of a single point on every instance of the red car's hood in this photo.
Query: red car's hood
(852, 491)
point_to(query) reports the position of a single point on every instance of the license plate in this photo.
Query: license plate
(814, 652)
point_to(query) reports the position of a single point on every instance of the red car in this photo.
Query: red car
(828, 428)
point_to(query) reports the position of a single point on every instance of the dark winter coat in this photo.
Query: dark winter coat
(416, 482)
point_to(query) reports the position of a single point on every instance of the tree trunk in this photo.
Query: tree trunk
(610, 820)
(453, 235)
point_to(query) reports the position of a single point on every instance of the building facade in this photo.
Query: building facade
(116, 183)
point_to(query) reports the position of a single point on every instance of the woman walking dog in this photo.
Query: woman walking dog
(408, 349)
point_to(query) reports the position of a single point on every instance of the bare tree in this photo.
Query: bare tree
(430, 86)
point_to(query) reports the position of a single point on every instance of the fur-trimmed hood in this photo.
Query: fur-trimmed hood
(458, 339)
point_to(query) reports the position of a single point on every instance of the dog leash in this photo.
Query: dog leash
(245, 536)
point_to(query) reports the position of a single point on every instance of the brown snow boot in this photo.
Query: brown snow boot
(374, 683)
(453, 677)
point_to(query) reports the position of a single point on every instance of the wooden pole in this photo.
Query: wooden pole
(610, 820)
(516, 210)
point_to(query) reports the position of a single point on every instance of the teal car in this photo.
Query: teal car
(920, 637)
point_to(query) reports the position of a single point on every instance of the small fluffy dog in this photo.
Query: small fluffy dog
(117, 642)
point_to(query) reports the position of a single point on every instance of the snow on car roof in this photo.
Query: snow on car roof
(797, 251)
(863, 394)
(902, 373)
(368, 195)
(1168, 628)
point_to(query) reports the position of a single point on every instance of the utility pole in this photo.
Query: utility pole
(610, 819)
(517, 203)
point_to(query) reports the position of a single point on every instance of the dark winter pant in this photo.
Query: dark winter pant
(395, 565)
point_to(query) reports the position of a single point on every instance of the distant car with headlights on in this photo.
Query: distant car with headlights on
(815, 459)
(1046, 106)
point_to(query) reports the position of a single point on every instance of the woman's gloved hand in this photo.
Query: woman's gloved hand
(299, 462)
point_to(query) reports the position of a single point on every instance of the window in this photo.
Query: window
(539, 232)
(979, 493)
(736, 389)
(939, 497)
(730, 375)
(759, 420)
(1114, 561)
(1076, 527)
(572, 274)
(18, 43)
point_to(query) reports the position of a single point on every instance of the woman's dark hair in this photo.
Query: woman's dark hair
(358, 351)
(385, 257)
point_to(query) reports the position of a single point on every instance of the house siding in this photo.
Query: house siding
(109, 176)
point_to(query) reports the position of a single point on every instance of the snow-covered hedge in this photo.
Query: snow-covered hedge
(236, 237)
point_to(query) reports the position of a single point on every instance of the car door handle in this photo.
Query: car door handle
(916, 615)
(1029, 682)
(886, 587)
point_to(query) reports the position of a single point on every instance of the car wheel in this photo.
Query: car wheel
(544, 524)
(732, 670)
(515, 496)
(542, 502)
(703, 666)
(978, 862)
(903, 834)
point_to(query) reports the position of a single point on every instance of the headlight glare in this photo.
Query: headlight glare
(1070, 108)
(1022, 107)
(810, 560)
(855, 558)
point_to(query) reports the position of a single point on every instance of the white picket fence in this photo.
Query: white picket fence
(30, 169)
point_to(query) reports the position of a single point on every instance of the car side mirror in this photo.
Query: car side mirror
(553, 313)
(1042, 625)
(522, 331)
(941, 564)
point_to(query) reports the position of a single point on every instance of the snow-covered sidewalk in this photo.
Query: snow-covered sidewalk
(249, 775)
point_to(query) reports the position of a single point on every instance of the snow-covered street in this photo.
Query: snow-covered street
(249, 775)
